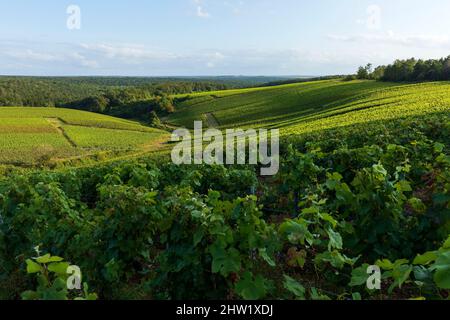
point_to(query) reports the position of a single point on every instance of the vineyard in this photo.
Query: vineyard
(42, 136)
(314, 106)
(225, 159)
(364, 181)
(373, 193)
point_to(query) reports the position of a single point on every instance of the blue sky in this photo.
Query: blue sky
(217, 37)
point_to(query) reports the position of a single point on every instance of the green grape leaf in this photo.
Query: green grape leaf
(59, 267)
(251, 288)
(446, 244)
(33, 267)
(335, 240)
(359, 276)
(442, 267)
(263, 254)
(356, 296)
(425, 259)
(30, 295)
(385, 264)
(48, 258)
(225, 261)
(294, 287)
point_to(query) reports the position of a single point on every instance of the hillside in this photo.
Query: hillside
(34, 135)
(313, 106)
(363, 180)
(30, 135)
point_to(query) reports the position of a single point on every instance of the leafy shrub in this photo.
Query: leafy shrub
(52, 276)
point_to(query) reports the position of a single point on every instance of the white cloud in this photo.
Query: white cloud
(33, 56)
(201, 13)
(129, 53)
(419, 41)
(143, 60)
(200, 10)
(30, 55)
(213, 59)
(373, 19)
(216, 56)
(83, 61)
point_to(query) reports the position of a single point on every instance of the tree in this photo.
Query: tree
(417, 70)
(446, 68)
(364, 72)
(378, 73)
(420, 71)
(369, 68)
(165, 104)
(154, 119)
(97, 104)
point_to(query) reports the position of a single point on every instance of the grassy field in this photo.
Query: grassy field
(91, 137)
(71, 117)
(35, 135)
(312, 106)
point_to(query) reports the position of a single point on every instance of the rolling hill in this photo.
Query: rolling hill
(30, 135)
(313, 106)
(363, 180)
(34, 135)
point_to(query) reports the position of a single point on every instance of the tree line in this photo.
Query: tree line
(60, 91)
(409, 70)
(129, 103)
(133, 98)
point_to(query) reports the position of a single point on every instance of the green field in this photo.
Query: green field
(314, 106)
(30, 135)
(364, 179)
(33, 135)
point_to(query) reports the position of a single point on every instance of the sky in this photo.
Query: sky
(216, 37)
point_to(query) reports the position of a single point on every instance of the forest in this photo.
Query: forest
(65, 91)
(410, 70)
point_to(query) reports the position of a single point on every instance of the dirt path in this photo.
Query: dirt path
(57, 124)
